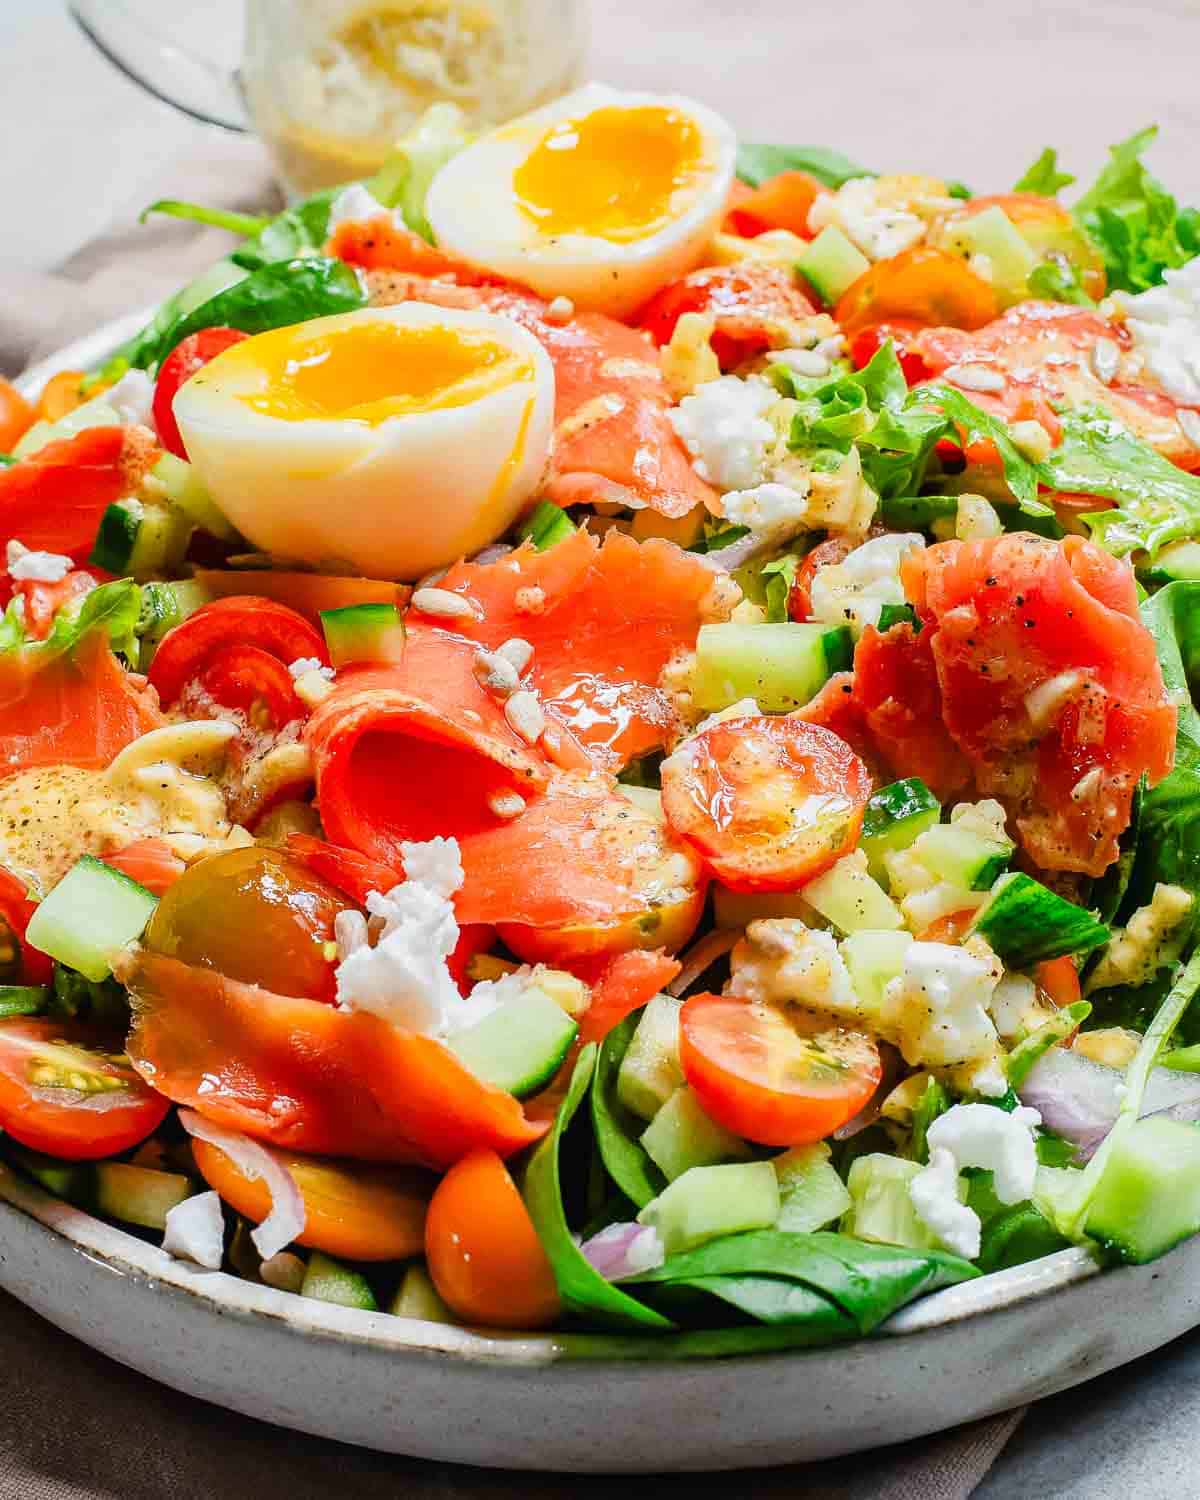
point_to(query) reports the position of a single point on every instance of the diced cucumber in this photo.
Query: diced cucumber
(546, 524)
(1179, 562)
(139, 1195)
(847, 896)
(165, 605)
(882, 1210)
(417, 1297)
(872, 960)
(73, 1181)
(896, 816)
(740, 908)
(832, 262)
(707, 1202)
(993, 234)
(780, 666)
(185, 490)
(1148, 1197)
(964, 858)
(1026, 922)
(137, 540)
(90, 915)
(94, 413)
(22, 999)
(520, 1046)
(811, 1194)
(650, 1072)
(363, 632)
(682, 1136)
(328, 1280)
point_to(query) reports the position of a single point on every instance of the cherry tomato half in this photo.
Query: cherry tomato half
(19, 963)
(483, 1252)
(62, 1094)
(781, 202)
(834, 550)
(923, 284)
(256, 915)
(902, 331)
(188, 356)
(755, 307)
(768, 802)
(780, 1079)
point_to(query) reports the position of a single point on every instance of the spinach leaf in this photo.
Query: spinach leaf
(1107, 896)
(1019, 1234)
(296, 232)
(582, 1289)
(290, 291)
(867, 1282)
(112, 607)
(769, 1300)
(756, 163)
(1043, 176)
(716, 536)
(1156, 503)
(1136, 223)
(197, 213)
(616, 1129)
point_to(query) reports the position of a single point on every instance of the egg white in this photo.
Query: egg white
(473, 208)
(395, 499)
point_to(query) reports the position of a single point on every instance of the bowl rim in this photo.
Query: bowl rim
(130, 1256)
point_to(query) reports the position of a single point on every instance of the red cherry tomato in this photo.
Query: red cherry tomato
(61, 1093)
(868, 341)
(755, 307)
(835, 550)
(188, 356)
(777, 1079)
(768, 802)
(781, 202)
(24, 965)
(256, 683)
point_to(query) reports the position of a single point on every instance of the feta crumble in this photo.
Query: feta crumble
(132, 398)
(934, 1196)
(303, 665)
(26, 566)
(1165, 324)
(878, 229)
(769, 510)
(353, 205)
(937, 1006)
(997, 1140)
(855, 590)
(723, 425)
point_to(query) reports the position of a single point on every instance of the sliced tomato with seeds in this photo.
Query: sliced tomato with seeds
(255, 683)
(776, 1077)
(63, 1092)
(188, 356)
(755, 306)
(768, 802)
(19, 963)
(923, 284)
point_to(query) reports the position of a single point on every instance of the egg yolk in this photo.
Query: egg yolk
(374, 371)
(614, 173)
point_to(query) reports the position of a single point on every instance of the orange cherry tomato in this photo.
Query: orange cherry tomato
(781, 202)
(927, 285)
(755, 306)
(17, 416)
(353, 1210)
(777, 1079)
(483, 1252)
(768, 802)
(61, 1092)
(1058, 980)
(60, 395)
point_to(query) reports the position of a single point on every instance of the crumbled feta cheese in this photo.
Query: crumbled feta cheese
(934, 1195)
(769, 510)
(303, 665)
(25, 566)
(195, 1231)
(878, 229)
(780, 960)
(132, 398)
(937, 1006)
(1165, 324)
(725, 429)
(1014, 1006)
(986, 818)
(855, 590)
(353, 205)
(404, 977)
(1000, 1141)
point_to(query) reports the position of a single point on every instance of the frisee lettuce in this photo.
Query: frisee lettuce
(1043, 176)
(756, 163)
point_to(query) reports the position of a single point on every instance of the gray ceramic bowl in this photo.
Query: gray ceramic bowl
(574, 1402)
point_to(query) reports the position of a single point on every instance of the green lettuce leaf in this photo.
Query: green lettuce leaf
(756, 163)
(967, 424)
(1044, 176)
(1156, 502)
(198, 213)
(1058, 281)
(1135, 221)
(778, 577)
(403, 180)
(112, 607)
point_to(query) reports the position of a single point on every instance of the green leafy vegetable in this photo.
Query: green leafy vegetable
(290, 291)
(1044, 176)
(899, 614)
(295, 233)
(933, 1102)
(778, 577)
(1057, 280)
(113, 608)
(403, 180)
(219, 218)
(1156, 502)
(582, 1289)
(1136, 223)
(756, 163)
(1026, 1053)
(617, 1130)
(865, 1282)
(719, 537)
(74, 998)
(967, 424)
(545, 525)
(23, 999)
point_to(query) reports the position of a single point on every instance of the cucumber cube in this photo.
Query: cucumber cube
(894, 818)
(780, 666)
(417, 1297)
(650, 1072)
(1148, 1198)
(872, 960)
(811, 1194)
(740, 908)
(708, 1202)
(89, 916)
(882, 1210)
(682, 1136)
(847, 896)
(832, 262)
(520, 1046)
(139, 1195)
(329, 1281)
(363, 632)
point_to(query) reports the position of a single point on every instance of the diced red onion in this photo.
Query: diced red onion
(624, 1250)
(195, 1230)
(701, 956)
(891, 1067)
(285, 1223)
(1080, 1099)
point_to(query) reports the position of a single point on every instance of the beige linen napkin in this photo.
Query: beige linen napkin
(79, 1427)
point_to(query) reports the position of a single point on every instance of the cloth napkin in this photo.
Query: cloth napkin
(80, 1427)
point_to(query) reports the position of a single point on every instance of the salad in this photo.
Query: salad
(596, 732)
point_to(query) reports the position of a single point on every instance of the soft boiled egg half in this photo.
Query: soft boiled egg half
(602, 196)
(394, 440)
